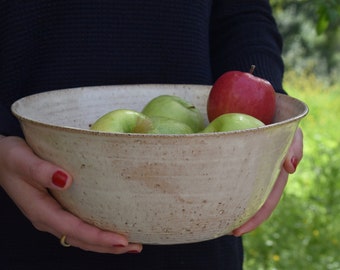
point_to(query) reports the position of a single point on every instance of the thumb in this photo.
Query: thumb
(295, 153)
(48, 175)
(33, 169)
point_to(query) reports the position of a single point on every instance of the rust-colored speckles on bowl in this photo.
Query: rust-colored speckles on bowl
(156, 189)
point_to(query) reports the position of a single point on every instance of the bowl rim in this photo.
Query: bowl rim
(21, 118)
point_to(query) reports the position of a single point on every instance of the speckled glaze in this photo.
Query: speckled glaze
(156, 189)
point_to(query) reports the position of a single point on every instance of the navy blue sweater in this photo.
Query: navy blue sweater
(47, 45)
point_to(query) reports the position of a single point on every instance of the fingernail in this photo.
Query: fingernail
(237, 234)
(294, 162)
(133, 251)
(119, 246)
(59, 179)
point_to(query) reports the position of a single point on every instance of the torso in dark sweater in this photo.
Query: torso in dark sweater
(49, 45)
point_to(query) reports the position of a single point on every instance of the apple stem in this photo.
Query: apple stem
(252, 68)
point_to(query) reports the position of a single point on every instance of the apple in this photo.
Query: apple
(242, 92)
(175, 108)
(233, 121)
(123, 121)
(130, 121)
(164, 125)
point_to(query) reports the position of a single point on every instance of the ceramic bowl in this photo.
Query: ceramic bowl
(156, 189)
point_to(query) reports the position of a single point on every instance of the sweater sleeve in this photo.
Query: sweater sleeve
(9, 125)
(244, 33)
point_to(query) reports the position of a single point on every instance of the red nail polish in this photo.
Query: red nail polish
(294, 162)
(133, 251)
(59, 179)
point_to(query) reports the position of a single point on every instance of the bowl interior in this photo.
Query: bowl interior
(80, 107)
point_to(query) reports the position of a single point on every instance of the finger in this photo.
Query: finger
(113, 249)
(36, 171)
(87, 237)
(295, 152)
(90, 238)
(267, 208)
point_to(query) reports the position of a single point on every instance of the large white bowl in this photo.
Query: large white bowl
(156, 189)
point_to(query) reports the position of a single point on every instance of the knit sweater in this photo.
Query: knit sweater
(47, 45)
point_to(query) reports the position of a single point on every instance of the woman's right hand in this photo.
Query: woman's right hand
(25, 177)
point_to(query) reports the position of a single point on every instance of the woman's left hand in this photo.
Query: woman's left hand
(293, 158)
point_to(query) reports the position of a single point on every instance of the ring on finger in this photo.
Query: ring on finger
(63, 241)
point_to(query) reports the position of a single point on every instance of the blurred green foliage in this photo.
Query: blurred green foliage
(304, 232)
(311, 35)
(326, 12)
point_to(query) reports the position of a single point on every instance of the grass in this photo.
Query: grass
(303, 232)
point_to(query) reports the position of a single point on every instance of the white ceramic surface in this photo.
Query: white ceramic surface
(156, 189)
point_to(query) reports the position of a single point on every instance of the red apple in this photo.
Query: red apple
(242, 92)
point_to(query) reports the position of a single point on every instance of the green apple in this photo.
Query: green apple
(231, 122)
(123, 121)
(175, 108)
(164, 125)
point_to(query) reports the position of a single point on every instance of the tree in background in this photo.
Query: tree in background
(312, 36)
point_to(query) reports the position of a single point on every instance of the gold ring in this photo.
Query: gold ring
(63, 241)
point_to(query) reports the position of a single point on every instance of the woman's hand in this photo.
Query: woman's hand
(25, 177)
(293, 158)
